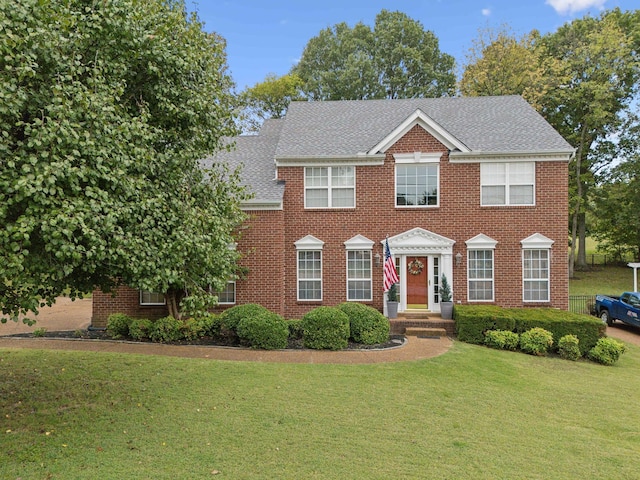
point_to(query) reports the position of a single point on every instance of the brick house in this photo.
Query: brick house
(473, 188)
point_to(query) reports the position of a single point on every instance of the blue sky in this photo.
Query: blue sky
(268, 36)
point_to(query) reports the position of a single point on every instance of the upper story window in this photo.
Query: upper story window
(417, 179)
(508, 183)
(329, 187)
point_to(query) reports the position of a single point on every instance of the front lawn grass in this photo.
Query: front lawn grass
(608, 280)
(473, 413)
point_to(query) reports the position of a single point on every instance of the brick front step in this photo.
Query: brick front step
(425, 332)
(401, 325)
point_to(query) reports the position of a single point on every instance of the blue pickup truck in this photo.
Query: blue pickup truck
(625, 308)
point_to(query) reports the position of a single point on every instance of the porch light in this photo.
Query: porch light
(458, 259)
(378, 258)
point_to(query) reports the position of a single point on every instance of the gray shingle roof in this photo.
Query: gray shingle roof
(346, 128)
(489, 124)
(255, 154)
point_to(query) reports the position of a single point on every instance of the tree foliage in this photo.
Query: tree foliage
(105, 110)
(581, 78)
(398, 58)
(268, 99)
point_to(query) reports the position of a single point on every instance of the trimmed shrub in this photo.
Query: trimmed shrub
(268, 331)
(192, 329)
(569, 347)
(502, 339)
(140, 328)
(536, 341)
(473, 321)
(166, 329)
(230, 318)
(607, 351)
(367, 325)
(118, 325)
(295, 329)
(325, 328)
(588, 329)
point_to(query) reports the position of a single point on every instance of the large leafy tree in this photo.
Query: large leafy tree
(398, 58)
(106, 109)
(599, 57)
(499, 63)
(268, 99)
(582, 78)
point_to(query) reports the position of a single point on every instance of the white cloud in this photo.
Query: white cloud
(486, 12)
(564, 7)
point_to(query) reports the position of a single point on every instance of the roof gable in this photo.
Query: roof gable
(427, 123)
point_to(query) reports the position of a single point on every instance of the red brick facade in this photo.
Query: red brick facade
(268, 242)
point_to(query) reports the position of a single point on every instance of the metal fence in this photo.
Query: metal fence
(582, 303)
(594, 259)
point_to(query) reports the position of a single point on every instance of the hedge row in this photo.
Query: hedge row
(255, 326)
(473, 321)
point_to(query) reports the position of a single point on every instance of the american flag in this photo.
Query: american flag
(390, 274)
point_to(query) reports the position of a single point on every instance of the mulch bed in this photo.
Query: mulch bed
(294, 344)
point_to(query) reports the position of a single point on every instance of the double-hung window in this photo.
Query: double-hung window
(508, 183)
(480, 275)
(417, 179)
(309, 268)
(329, 187)
(480, 268)
(536, 276)
(227, 296)
(359, 271)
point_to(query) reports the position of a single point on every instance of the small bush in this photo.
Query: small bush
(166, 329)
(536, 341)
(367, 325)
(267, 331)
(607, 351)
(140, 328)
(39, 332)
(118, 325)
(230, 318)
(569, 347)
(325, 328)
(192, 329)
(502, 339)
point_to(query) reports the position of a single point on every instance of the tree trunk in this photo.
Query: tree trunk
(173, 304)
(581, 261)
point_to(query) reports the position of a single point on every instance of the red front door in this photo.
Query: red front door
(417, 282)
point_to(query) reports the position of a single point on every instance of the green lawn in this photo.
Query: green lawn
(473, 413)
(608, 280)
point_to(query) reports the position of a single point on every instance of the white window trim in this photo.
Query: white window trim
(234, 294)
(537, 241)
(482, 242)
(430, 158)
(359, 243)
(329, 187)
(151, 304)
(507, 186)
(308, 244)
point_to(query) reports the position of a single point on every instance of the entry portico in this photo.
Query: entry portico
(421, 257)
